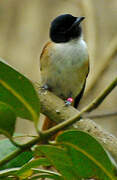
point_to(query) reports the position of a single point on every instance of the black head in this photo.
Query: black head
(65, 27)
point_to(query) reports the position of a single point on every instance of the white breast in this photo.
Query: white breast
(68, 68)
(77, 49)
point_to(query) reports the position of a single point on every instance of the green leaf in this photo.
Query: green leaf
(7, 172)
(43, 173)
(32, 164)
(6, 149)
(59, 159)
(7, 119)
(50, 176)
(88, 157)
(77, 155)
(18, 92)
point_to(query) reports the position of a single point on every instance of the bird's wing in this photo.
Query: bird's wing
(77, 99)
(45, 54)
(79, 96)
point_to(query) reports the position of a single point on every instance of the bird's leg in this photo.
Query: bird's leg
(69, 101)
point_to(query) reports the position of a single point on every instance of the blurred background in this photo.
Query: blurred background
(24, 29)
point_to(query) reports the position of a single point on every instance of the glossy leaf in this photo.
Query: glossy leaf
(88, 157)
(26, 170)
(78, 155)
(7, 148)
(43, 173)
(7, 119)
(5, 173)
(18, 92)
(60, 160)
(50, 176)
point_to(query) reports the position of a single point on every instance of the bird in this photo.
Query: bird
(64, 61)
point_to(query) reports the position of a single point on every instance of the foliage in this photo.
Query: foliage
(18, 92)
(73, 155)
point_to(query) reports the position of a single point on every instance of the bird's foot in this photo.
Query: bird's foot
(69, 101)
(45, 87)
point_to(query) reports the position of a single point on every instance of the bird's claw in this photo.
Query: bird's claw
(45, 87)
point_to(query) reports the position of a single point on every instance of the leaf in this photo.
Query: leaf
(18, 92)
(24, 171)
(50, 176)
(77, 155)
(7, 119)
(59, 159)
(43, 173)
(5, 173)
(88, 157)
(6, 149)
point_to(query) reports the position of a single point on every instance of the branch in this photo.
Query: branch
(76, 116)
(100, 115)
(96, 102)
(55, 109)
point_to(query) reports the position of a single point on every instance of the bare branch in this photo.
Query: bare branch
(96, 102)
(100, 115)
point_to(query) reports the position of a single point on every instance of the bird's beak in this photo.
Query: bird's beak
(78, 20)
(76, 23)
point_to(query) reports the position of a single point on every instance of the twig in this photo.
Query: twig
(100, 115)
(96, 102)
(55, 109)
(105, 61)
